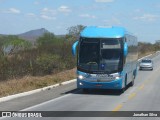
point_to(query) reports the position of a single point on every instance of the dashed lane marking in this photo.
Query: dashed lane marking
(131, 96)
(117, 108)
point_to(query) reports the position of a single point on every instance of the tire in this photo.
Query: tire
(132, 82)
(125, 86)
(85, 90)
(122, 90)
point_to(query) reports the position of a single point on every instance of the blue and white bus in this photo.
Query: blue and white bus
(106, 59)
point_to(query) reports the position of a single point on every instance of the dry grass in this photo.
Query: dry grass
(30, 83)
(140, 55)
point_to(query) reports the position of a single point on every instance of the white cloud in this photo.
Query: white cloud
(147, 17)
(64, 9)
(31, 14)
(48, 14)
(47, 17)
(104, 1)
(12, 11)
(47, 11)
(87, 16)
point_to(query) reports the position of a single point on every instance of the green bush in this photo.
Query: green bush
(38, 61)
(46, 63)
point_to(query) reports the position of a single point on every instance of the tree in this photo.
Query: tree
(13, 44)
(2, 41)
(46, 39)
(74, 32)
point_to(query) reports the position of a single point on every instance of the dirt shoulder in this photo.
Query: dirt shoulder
(28, 83)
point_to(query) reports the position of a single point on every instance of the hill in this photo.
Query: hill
(32, 35)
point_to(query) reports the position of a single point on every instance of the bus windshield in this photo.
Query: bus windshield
(100, 55)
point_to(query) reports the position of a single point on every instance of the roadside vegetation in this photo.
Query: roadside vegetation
(50, 55)
(24, 66)
(147, 48)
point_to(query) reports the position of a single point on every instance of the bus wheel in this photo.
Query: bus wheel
(132, 82)
(85, 90)
(122, 90)
(125, 85)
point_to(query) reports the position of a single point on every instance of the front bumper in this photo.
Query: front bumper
(145, 68)
(115, 84)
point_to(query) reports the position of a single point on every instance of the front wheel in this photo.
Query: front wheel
(125, 86)
(85, 90)
(122, 90)
(132, 82)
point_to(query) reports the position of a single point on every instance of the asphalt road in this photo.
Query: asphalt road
(143, 96)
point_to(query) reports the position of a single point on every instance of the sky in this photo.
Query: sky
(140, 17)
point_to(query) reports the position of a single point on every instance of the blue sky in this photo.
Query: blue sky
(141, 17)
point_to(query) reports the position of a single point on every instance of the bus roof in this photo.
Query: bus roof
(103, 32)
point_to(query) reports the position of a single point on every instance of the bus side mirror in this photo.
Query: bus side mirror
(125, 49)
(74, 46)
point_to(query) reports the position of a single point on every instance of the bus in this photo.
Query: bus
(106, 58)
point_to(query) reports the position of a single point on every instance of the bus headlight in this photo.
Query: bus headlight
(119, 77)
(81, 77)
(116, 76)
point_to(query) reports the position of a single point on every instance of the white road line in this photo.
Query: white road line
(47, 102)
(44, 103)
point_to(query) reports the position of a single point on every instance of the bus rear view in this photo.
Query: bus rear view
(106, 59)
